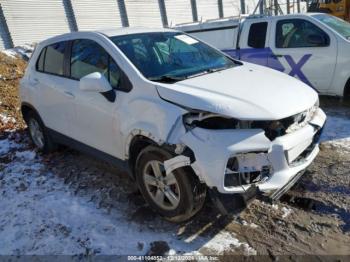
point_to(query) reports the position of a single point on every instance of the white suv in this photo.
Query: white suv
(179, 115)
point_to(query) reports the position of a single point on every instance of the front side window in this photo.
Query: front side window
(170, 55)
(296, 33)
(88, 57)
(340, 26)
(54, 58)
(114, 73)
(257, 35)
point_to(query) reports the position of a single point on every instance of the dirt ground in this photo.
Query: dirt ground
(312, 218)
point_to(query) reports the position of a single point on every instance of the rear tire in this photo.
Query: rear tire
(39, 133)
(177, 196)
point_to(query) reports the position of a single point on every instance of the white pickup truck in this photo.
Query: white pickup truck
(313, 47)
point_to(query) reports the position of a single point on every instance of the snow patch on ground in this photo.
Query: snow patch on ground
(24, 51)
(5, 119)
(274, 206)
(286, 212)
(224, 241)
(7, 145)
(337, 131)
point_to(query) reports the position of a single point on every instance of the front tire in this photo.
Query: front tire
(177, 196)
(38, 133)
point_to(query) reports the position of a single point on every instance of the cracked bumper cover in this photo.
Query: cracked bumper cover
(213, 148)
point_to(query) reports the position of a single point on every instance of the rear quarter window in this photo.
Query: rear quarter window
(40, 61)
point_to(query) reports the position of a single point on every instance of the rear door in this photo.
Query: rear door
(55, 100)
(302, 49)
(253, 41)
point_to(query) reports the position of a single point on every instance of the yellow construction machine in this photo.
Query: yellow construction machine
(338, 8)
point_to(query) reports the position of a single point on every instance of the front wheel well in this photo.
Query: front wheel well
(138, 143)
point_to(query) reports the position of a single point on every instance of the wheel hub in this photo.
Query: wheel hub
(163, 188)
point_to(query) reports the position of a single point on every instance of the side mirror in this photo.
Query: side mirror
(95, 82)
(316, 40)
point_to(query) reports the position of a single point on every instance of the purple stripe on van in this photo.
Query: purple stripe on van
(265, 57)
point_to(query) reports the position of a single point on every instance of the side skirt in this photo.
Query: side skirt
(72, 143)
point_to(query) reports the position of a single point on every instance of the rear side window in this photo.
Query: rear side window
(88, 57)
(257, 35)
(54, 58)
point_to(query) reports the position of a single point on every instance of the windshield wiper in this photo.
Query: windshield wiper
(167, 79)
(213, 70)
(209, 71)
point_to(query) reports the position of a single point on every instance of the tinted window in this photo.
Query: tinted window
(337, 24)
(114, 73)
(40, 62)
(54, 58)
(295, 33)
(164, 55)
(88, 57)
(257, 35)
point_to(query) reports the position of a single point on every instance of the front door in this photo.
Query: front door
(303, 50)
(96, 121)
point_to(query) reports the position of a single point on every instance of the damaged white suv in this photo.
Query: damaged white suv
(179, 115)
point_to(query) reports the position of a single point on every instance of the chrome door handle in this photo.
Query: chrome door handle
(69, 94)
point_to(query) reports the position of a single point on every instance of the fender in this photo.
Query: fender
(165, 113)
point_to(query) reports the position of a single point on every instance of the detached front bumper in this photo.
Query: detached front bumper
(286, 157)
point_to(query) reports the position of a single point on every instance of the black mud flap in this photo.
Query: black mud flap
(232, 203)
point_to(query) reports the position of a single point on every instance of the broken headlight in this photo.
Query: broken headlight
(205, 120)
(209, 121)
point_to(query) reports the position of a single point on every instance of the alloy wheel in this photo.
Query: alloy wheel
(163, 188)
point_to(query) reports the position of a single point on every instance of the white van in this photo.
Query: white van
(312, 47)
(180, 116)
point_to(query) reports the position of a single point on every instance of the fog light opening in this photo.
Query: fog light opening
(245, 169)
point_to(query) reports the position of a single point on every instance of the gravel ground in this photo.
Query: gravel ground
(69, 203)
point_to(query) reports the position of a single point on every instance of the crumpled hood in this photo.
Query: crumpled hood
(248, 92)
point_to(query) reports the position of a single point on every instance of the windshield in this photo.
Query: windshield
(170, 56)
(337, 24)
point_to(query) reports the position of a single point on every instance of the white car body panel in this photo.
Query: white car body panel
(156, 110)
(241, 92)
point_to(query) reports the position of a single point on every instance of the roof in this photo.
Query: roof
(284, 15)
(106, 32)
(132, 30)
